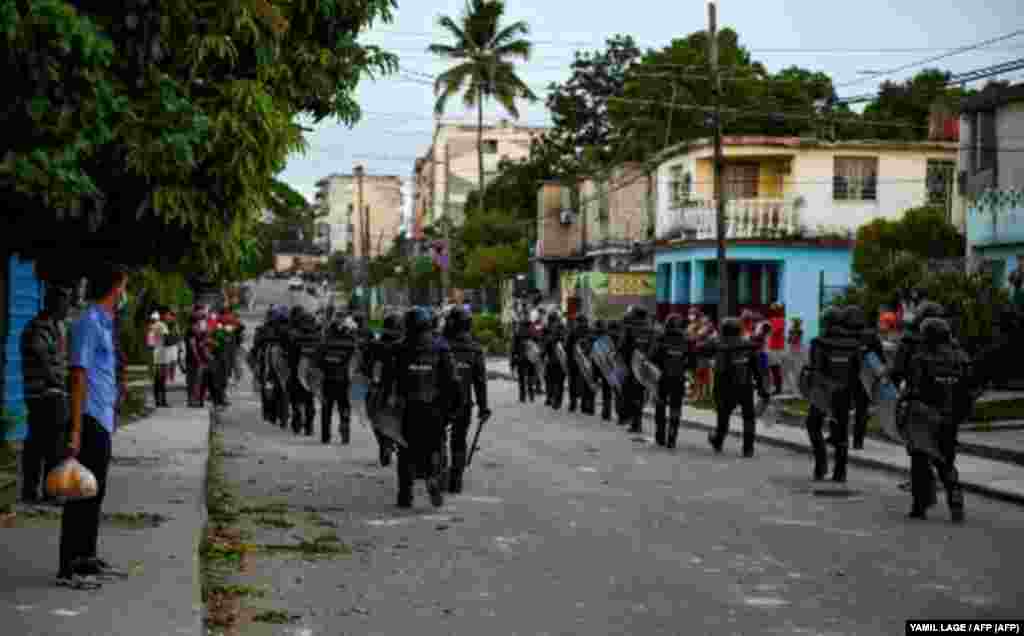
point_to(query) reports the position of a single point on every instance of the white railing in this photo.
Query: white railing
(744, 218)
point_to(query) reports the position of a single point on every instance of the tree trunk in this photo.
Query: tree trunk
(480, 150)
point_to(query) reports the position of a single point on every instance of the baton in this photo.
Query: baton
(476, 438)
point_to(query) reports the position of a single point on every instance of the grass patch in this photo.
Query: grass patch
(276, 508)
(238, 591)
(137, 520)
(327, 537)
(276, 617)
(985, 412)
(275, 522)
(324, 546)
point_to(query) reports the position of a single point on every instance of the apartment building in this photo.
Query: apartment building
(339, 196)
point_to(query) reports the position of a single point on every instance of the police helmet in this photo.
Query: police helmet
(600, 325)
(636, 314)
(830, 318)
(582, 322)
(936, 331)
(417, 321)
(732, 327)
(279, 313)
(854, 318)
(675, 322)
(929, 309)
(553, 319)
(458, 321)
(393, 322)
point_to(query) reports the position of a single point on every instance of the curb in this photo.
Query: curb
(197, 571)
(859, 460)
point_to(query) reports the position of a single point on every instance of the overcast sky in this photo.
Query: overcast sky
(839, 38)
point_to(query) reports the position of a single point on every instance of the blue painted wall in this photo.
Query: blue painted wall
(24, 300)
(800, 274)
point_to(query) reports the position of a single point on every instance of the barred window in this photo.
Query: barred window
(939, 178)
(856, 179)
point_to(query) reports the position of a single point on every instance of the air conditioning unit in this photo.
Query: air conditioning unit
(566, 217)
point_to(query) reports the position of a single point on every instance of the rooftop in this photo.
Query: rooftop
(992, 97)
(807, 143)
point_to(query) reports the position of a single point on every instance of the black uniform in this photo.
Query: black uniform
(554, 335)
(637, 337)
(672, 355)
(523, 367)
(856, 324)
(272, 337)
(579, 391)
(835, 358)
(737, 376)
(600, 331)
(305, 341)
(424, 376)
(378, 356)
(614, 328)
(334, 357)
(938, 399)
(472, 373)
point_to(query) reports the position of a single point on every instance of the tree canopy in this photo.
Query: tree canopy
(150, 133)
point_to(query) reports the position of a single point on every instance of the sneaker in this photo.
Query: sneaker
(715, 442)
(97, 567)
(957, 514)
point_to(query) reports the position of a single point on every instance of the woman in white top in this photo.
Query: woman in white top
(156, 336)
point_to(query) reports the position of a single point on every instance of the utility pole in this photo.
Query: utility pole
(364, 264)
(446, 277)
(716, 89)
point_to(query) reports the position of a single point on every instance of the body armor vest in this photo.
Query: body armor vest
(421, 376)
(675, 350)
(466, 353)
(338, 351)
(937, 378)
(837, 359)
(734, 359)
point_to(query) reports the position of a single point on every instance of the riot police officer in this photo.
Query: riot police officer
(271, 346)
(554, 340)
(615, 332)
(579, 391)
(671, 354)
(523, 368)
(637, 337)
(335, 357)
(424, 376)
(856, 324)
(737, 376)
(601, 331)
(378, 356)
(472, 374)
(938, 399)
(304, 342)
(834, 358)
(913, 339)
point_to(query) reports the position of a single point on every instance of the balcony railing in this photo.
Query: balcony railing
(744, 219)
(996, 218)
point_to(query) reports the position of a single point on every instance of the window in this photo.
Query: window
(490, 146)
(741, 180)
(856, 179)
(939, 179)
(680, 186)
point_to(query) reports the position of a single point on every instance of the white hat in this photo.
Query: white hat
(155, 315)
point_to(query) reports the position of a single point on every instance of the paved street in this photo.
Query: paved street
(570, 525)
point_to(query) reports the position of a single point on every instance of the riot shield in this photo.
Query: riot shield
(887, 401)
(586, 368)
(922, 425)
(646, 373)
(534, 356)
(279, 363)
(563, 359)
(384, 410)
(872, 371)
(609, 364)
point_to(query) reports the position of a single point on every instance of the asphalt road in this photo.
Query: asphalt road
(571, 526)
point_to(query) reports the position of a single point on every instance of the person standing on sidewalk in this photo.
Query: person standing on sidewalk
(94, 396)
(44, 358)
(156, 339)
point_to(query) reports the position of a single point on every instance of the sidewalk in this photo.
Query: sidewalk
(988, 477)
(154, 515)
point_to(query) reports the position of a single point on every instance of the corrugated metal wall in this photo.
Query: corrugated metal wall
(24, 300)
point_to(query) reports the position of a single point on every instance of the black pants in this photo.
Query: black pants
(335, 393)
(839, 434)
(580, 392)
(80, 523)
(47, 422)
(670, 394)
(423, 431)
(193, 380)
(922, 481)
(606, 400)
(458, 443)
(556, 385)
(303, 406)
(727, 398)
(527, 385)
(861, 401)
(633, 405)
(160, 384)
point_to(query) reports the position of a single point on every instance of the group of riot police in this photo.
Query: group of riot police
(422, 385)
(925, 392)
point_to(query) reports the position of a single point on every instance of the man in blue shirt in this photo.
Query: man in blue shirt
(94, 395)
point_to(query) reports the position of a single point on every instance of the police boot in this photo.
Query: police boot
(522, 392)
(385, 454)
(659, 432)
(715, 441)
(820, 453)
(673, 433)
(572, 404)
(955, 498)
(606, 411)
(455, 474)
(636, 425)
(345, 429)
(325, 427)
(839, 470)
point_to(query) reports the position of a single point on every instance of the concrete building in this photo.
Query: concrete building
(449, 170)
(992, 174)
(793, 207)
(338, 195)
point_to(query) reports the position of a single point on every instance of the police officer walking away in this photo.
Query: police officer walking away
(938, 399)
(579, 391)
(524, 368)
(472, 374)
(834, 358)
(637, 337)
(600, 331)
(424, 376)
(304, 342)
(855, 322)
(554, 337)
(334, 359)
(378, 355)
(671, 353)
(737, 375)
(44, 355)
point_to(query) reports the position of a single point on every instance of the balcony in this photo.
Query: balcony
(996, 218)
(744, 219)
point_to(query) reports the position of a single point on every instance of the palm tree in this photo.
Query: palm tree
(483, 51)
